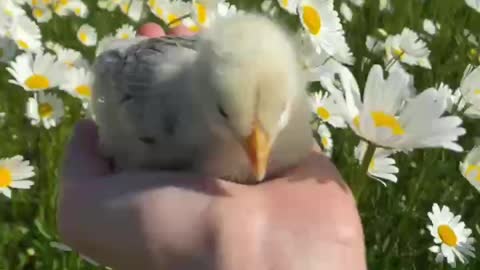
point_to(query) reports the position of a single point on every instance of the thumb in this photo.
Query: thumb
(82, 160)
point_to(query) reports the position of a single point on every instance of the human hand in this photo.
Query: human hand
(306, 219)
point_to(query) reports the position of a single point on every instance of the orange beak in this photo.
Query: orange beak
(257, 146)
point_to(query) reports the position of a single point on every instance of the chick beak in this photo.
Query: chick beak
(257, 146)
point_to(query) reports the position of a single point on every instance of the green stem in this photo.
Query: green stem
(367, 158)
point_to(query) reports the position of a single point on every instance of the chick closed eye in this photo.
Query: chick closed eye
(222, 112)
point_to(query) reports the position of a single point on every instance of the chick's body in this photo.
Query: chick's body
(232, 104)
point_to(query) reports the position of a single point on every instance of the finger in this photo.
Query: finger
(82, 159)
(180, 30)
(151, 30)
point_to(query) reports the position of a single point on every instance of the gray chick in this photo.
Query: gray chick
(143, 106)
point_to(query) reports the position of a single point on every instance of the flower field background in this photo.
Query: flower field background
(395, 214)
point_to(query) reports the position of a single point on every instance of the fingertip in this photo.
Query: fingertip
(180, 30)
(151, 30)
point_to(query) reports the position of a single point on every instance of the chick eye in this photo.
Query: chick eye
(147, 140)
(222, 112)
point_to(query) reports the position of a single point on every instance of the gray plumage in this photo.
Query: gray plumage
(223, 103)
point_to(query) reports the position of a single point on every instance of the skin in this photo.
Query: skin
(306, 219)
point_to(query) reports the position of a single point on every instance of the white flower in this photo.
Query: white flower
(87, 35)
(326, 109)
(289, 5)
(132, 8)
(470, 167)
(381, 166)
(446, 93)
(470, 89)
(408, 48)
(42, 14)
(389, 117)
(358, 3)
(321, 22)
(71, 58)
(452, 239)
(36, 73)
(346, 12)
(8, 48)
(14, 173)
(374, 45)
(206, 11)
(10, 8)
(475, 4)
(125, 32)
(430, 27)
(79, 84)
(68, 7)
(103, 44)
(26, 34)
(325, 139)
(47, 110)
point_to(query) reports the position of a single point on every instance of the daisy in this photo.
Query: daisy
(11, 9)
(67, 7)
(475, 4)
(125, 32)
(158, 8)
(175, 11)
(71, 58)
(430, 27)
(374, 45)
(8, 48)
(326, 109)
(206, 11)
(36, 73)
(325, 139)
(452, 239)
(407, 48)
(132, 8)
(346, 12)
(26, 34)
(470, 167)
(87, 35)
(47, 110)
(470, 89)
(382, 166)
(14, 173)
(42, 14)
(391, 117)
(79, 84)
(289, 5)
(321, 22)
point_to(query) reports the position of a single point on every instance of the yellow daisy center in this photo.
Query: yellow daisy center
(172, 18)
(371, 166)
(473, 52)
(312, 19)
(323, 113)
(325, 142)
(34, 2)
(84, 91)
(476, 91)
(398, 53)
(159, 11)
(382, 119)
(22, 44)
(5, 178)
(45, 110)
(64, 2)
(125, 8)
(125, 36)
(37, 82)
(84, 37)
(201, 13)
(356, 121)
(37, 13)
(471, 169)
(77, 11)
(194, 28)
(447, 235)
(285, 3)
(151, 3)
